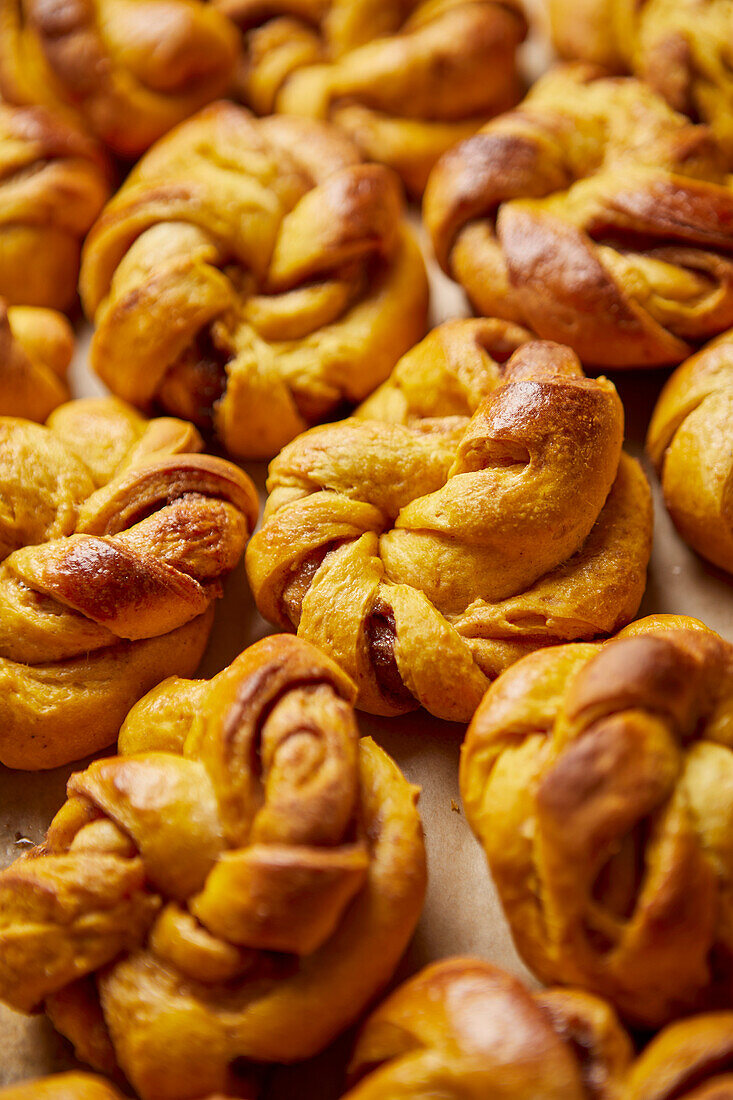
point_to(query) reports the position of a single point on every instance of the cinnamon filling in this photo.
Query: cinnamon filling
(380, 636)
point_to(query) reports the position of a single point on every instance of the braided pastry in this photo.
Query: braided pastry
(405, 79)
(251, 276)
(690, 442)
(598, 778)
(36, 346)
(114, 540)
(682, 48)
(53, 183)
(478, 506)
(595, 214)
(125, 71)
(463, 1028)
(62, 1086)
(689, 1060)
(238, 888)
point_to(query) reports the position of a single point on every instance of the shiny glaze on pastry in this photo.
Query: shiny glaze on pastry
(595, 214)
(126, 70)
(478, 506)
(690, 441)
(598, 779)
(252, 275)
(405, 79)
(237, 886)
(115, 537)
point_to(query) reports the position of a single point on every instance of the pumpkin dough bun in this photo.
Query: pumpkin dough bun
(690, 442)
(54, 181)
(405, 79)
(679, 47)
(252, 275)
(36, 346)
(476, 507)
(237, 886)
(596, 215)
(464, 1028)
(125, 71)
(598, 779)
(115, 537)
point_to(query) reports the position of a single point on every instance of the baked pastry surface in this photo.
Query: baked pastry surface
(690, 441)
(476, 507)
(463, 1028)
(36, 346)
(252, 276)
(53, 183)
(689, 1060)
(405, 80)
(114, 540)
(680, 47)
(239, 885)
(595, 214)
(125, 71)
(598, 779)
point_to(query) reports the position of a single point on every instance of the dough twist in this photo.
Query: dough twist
(478, 506)
(36, 346)
(682, 48)
(252, 275)
(405, 80)
(690, 442)
(238, 888)
(689, 1060)
(114, 541)
(595, 214)
(464, 1029)
(126, 70)
(53, 183)
(599, 779)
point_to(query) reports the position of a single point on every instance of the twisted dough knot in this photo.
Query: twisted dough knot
(36, 346)
(114, 541)
(689, 442)
(127, 70)
(405, 80)
(595, 214)
(682, 49)
(689, 1060)
(464, 1028)
(238, 888)
(252, 275)
(53, 183)
(598, 780)
(476, 507)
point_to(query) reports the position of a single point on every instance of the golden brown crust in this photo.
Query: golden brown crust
(689, 442)
(462, 1027)
(596, 215)
(53, 183)
(114, 541)
(404, 79)
(679, 47)
(689, 1060)
(127, 73)
(36, 346)
(262, 275)
(240, 899)
(597, 778)
(396, 540)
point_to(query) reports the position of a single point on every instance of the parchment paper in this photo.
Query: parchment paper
(462, 913)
